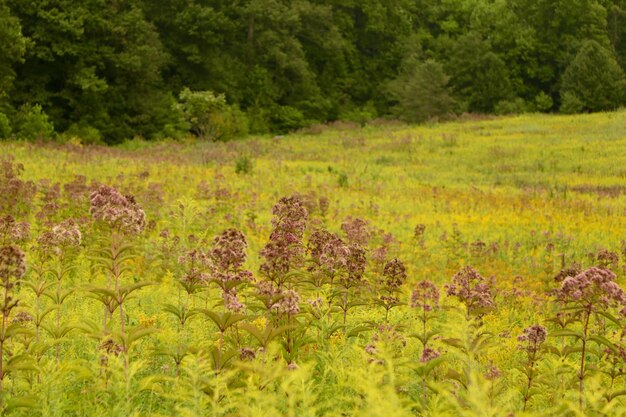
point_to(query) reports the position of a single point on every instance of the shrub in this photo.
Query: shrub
(286, 118)
(85, 133)
(543, 102)
(595, 78)
(516, 106)
(421, 93)
(5, 127)
(32, 123)
(209, 116)
(571, 104)
(243, 165)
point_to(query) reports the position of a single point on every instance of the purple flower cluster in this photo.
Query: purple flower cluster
(356, 231)
(532, 338)
(607, 258)
(472, 290)
(425, 296)
(12, 264)
(328, 252)
(13, 231)
(60, 237)
(593, 289)
(356, 263)
(120, 212)
(289, 302)
(196, 264)
(395, 274)
(232, 302)
(285, 250)
(429, 354)
(228, 256)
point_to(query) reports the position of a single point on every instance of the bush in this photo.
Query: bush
(543, 102)
(5, 127)
(243, 165)
(32, 123)
(421, 93)
(286, 118)
(571, 104)
(86, 134)
(595, 79)
(360, 115)
(516, 106)
(209, 116)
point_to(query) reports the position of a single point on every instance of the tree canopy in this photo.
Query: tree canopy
(115, 69)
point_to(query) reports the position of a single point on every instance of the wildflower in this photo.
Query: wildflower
(492, 373)
(232, 302)
(267, 289)
(289, 303)
(356, 231)
(61, 236)
(228, 256)
(478, 249)
(110, 347)
(472, 290)
(196, 263)
(246, 354)
(12, 263)
(356, 263)
(419, 231)
(315, 303)
(328, 251)
(532, 338)
(119, 211)
(572, 271)
(229, 250)
(593, 289)
(12, 231)
(425, 296)
(395, 274)
(607, 258)
(22, 317)
(429, 354)
(285, 250)
(324, 203)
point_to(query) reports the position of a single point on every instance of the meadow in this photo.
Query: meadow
(469, 268)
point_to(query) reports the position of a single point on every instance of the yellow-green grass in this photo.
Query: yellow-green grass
(543, 191)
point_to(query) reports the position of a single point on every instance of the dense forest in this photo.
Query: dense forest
(109, 70)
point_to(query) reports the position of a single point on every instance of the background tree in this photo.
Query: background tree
(421, 93)
(595, 78)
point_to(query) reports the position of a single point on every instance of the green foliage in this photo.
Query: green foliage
(32, 123)
(422, 93)
(5, 127)
(478, 75)
(515, 106)
(12, 48)
(229, 304)
(209, 117)
(543, 102)
(244, 165)
(595, 78)
(570, 103)
(285, 64)
(87, 135)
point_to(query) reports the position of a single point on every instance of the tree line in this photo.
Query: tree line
(109, 70)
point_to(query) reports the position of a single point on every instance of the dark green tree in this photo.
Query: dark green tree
(479, 77)
(93, 63)
(595, 78)
(421, 93)
(12, 47)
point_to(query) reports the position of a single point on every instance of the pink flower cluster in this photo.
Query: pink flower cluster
(120, 212)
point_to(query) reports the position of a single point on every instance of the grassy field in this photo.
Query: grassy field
(442, 246)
